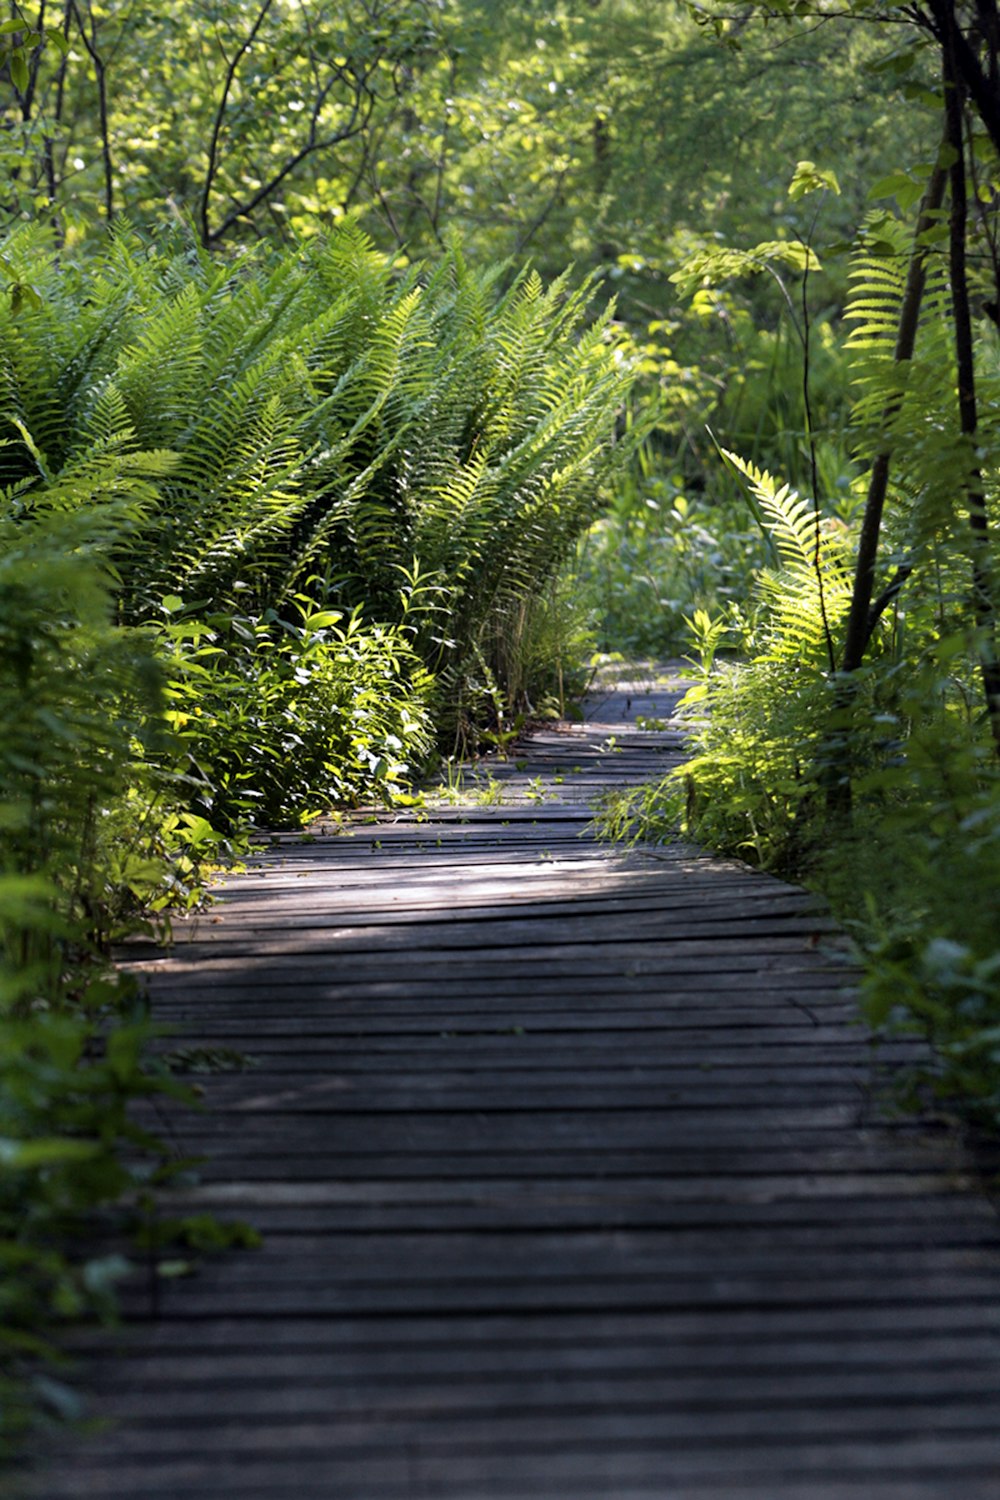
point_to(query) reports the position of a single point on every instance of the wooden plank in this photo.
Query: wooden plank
(773, 956)
(245, 1394)
(636, 978)
(897, 1217)
(792, 912)
(911, 1195)
(764, 1330)
(812, 1160)
(664, 1075)
(586, 1430)
(925, 1361)
(341, 1096)
(401, 1472)
(741, 999)
(514, 1033)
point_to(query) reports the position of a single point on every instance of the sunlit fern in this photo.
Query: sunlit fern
(331, 416)
(806, 596)
(909, 408)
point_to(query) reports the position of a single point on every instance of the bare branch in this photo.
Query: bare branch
(220, 115)
(348, 87)
(90, 43)
(243, 210)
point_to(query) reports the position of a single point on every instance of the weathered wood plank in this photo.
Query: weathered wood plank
(813, 1160)
(424, 925)
(764, 1330)
(586, 1430)
(878, 1220)
(924, 1361)
(402, 1468)
(242, 1393)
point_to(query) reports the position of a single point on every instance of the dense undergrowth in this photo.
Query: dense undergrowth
(912, 869)
(880, 786)
(274, 531)
(677, 535)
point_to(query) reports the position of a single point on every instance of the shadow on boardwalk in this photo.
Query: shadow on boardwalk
(573, 1182)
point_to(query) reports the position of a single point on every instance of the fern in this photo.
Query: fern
(329, 416)
(908, 408)
(806, 597)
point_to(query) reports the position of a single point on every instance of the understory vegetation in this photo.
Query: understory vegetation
(845, 714)
(365, 367)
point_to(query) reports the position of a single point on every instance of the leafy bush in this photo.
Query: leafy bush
(75, 690)
(914, 879)
(67, 1077)
(763, 726)
(912, 871)
(286, 718)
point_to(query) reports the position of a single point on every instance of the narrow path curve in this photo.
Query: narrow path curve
(573, 1180)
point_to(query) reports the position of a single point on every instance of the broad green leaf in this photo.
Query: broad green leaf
(45, 1152)
(18, 64)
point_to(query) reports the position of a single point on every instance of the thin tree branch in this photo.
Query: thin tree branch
(891, 591)
(28, 99)
(90, 43)
(356, 79)
(220, 115)
(244, 209)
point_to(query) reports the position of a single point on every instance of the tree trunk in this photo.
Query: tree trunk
(983, 595)
(861, 619)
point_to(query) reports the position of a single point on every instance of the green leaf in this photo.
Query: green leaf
(171, 1270)
(891, 185)
(19, 69)
(50, 1151)
(808, 178)
(60, 42)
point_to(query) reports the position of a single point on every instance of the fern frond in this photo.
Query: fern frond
(808, 595)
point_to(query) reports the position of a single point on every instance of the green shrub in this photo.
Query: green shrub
(660, 553)
(283, 718)
(67, 1077)
(915, 880)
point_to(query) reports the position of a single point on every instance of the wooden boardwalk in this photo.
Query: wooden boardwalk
(573, 1178)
